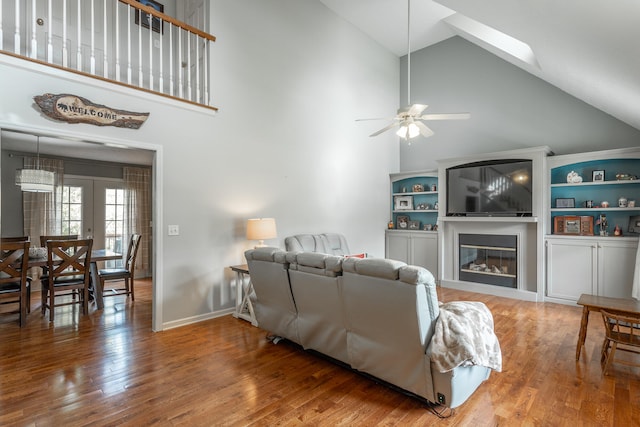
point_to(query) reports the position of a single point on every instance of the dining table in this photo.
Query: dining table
(97, 255)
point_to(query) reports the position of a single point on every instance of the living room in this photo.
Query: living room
(290, 79)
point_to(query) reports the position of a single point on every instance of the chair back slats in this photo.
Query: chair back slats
(68, 257)
(14, 283)
(620, 329)
(43, 239)
(132, 252)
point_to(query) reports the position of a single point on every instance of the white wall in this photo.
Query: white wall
(289, 78)
(510, 109)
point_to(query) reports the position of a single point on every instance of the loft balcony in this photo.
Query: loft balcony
(125, 42)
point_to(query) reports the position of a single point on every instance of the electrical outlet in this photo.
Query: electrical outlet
(174, 230)
(441, 399)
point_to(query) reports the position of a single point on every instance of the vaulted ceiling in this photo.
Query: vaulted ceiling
(587, 48)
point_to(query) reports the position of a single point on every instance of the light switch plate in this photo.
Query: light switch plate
(174, 230)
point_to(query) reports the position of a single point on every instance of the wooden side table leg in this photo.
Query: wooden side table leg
(583, 331)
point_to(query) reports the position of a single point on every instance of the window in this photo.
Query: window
(71, 221)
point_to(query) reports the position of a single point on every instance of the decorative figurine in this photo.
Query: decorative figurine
(617, 231)
(390, 225)
(602, 222)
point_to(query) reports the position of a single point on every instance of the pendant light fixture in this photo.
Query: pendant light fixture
(35, 180)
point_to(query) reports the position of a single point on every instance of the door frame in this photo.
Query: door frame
(157, 197)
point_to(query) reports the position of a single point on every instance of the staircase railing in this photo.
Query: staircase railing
(127, 42)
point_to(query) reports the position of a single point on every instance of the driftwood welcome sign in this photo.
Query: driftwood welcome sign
(75, 109)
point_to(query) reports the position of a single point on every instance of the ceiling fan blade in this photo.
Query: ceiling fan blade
(449, 116)
(376, 118)
(384, 129)
(424, 130)
(416, 109)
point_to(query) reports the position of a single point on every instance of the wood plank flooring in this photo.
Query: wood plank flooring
(109, 369)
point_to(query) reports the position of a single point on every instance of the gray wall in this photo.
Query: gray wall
(509, 108)
(11, 212)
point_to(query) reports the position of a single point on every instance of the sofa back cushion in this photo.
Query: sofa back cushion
(390, 311)
(275, 308)
(315, 283)
(327, 243)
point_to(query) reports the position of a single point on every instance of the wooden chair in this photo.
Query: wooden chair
(43, 239)
(621, 329)
(29, 280)
(14, 286)
(125, 273)
(68, 264)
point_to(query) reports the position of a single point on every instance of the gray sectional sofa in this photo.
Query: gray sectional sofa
(376, 315)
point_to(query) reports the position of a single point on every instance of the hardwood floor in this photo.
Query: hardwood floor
(108, 368)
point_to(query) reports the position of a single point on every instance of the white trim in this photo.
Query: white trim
(199, 318)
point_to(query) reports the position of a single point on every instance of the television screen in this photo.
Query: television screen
(497, 187)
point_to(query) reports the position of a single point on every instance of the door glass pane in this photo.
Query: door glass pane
(71, 221)
(114, 223)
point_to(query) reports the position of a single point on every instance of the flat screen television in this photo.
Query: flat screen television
(490, 188)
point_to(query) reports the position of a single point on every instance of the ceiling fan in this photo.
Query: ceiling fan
(409, 119)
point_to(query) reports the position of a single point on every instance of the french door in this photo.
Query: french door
(94, 209)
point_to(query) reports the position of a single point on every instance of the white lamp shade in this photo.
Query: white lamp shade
(261, 229)
(35, 180)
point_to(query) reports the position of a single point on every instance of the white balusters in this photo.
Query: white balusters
(53, 31)
(92, 25)
(171, 65)
(65, 48)
(50, 35)
(16, 35)
(34, 40)
(105, 36)
(79, 39)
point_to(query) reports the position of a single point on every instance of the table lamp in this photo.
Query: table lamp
(261, 229)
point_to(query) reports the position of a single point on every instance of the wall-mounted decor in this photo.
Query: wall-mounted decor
(75, 109)
(147, 18)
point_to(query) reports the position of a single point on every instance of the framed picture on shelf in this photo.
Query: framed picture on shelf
(402, 222)
(147, 20)
(565, 203)
(403, 203)
(634, 224)
(573, 225)
(598, 175)
(417, 188)
(414, 225)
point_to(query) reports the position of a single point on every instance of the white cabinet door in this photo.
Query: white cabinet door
(424, 251)
(397, 246)
(415, 248)
(571, 268)
(616, 264)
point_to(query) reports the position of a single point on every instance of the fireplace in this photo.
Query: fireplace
(490, 259)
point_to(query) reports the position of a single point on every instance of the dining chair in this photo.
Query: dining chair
(620, 330)
(14, 286)
(68, 264)
(29, 280)
(43, 239)
(125, 273)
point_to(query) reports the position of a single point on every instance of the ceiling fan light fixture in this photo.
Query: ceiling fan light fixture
(408, 131)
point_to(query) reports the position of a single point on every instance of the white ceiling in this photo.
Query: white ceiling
(587, 48)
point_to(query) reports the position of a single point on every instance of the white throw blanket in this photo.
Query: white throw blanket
(635, 291)
(464, 336)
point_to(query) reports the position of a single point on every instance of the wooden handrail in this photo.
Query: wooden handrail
(166, 18)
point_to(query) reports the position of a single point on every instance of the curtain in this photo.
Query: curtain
(43, 211)
(137, 205)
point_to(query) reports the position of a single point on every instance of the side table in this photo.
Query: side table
(244, 288)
